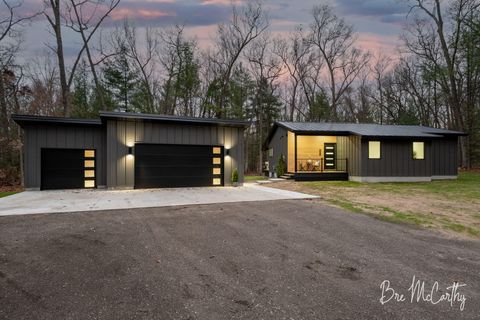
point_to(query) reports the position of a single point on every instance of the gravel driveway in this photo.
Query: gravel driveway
(285, 259)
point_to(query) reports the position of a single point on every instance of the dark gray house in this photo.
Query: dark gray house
(363, 152)
(130, 150)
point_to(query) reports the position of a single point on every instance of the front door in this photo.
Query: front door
(330, 152)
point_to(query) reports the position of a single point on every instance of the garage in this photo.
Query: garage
(166, 165)
(123, 150)
(67, 168)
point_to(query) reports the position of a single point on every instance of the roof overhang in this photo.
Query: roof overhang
(23, 120)
(104, 115)
(429, 133)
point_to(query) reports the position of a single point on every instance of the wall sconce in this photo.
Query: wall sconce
(227, 152)
(130, 151)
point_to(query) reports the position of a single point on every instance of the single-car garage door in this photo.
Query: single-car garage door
(67, 169)
(163, 165)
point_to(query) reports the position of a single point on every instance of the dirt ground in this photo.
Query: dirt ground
(284, 259)
(451, 216)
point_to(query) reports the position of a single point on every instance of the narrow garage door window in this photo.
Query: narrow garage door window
(161, 165)
(68, 169)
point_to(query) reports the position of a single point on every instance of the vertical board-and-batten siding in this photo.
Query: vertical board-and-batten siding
(396, 159)
(124, 133)
(349, 147)
(445, 157)
(38, 137)
(279, 143)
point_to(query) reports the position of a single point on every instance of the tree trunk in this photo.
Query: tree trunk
(3, 106)
(464, 152)
(57, 28)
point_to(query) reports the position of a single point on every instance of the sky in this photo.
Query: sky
(378, 22)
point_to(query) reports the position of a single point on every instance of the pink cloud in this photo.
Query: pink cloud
(378, 44)
(121, 13)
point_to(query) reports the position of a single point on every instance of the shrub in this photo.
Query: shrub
(280, 166)
(235, 175)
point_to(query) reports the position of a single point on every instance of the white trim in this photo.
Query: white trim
(444, 177)
(389, 179)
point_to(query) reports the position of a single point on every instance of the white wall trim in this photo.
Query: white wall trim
(389, 179)
(444, 177)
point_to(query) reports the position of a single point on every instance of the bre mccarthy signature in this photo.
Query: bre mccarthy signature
(418, 292)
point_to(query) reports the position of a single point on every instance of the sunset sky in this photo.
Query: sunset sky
(379, 22)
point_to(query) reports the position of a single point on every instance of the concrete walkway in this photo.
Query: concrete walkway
(33, 202)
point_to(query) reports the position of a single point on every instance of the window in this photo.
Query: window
(89, 163)
(217, 161)
(270, 152)
(217, 171)
(89, 153)
(217, 181)
(217, 150)
(418, 150)
(374, 150)
(89, 173)
(89, 183)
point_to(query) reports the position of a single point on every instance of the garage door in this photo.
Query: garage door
(67, 169)
(160, 165)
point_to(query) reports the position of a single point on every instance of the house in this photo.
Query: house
(130, 150)
(363, 152)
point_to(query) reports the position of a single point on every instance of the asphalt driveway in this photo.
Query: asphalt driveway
(285, 259)
(55, 201)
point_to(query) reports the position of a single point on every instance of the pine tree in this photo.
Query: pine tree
(121, 81)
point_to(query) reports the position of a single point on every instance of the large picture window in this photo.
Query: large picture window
(374, 150)
(418, 150)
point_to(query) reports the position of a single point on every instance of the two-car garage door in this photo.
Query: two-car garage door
(166, 165)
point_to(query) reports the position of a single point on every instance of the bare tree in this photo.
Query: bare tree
(53, 15)
(295, 53)
(10, 40)
(245, 25)
(143, 58)
(169, 55)
(266, 69)
(85, 17)
(379, 71)
(436, 37)
(335, 41)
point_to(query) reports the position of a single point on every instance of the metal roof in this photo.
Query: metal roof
(170, 118)
(25, 119)
(359, 129)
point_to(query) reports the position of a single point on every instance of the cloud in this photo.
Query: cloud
(378, 44)
(161, 13)
(221, 2)
(387, 11)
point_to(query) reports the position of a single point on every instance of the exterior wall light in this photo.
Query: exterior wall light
(227, 152)
(130, 151)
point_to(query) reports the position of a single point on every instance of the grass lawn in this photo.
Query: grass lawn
(254, 178)
(448, 205)
(7, 193)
